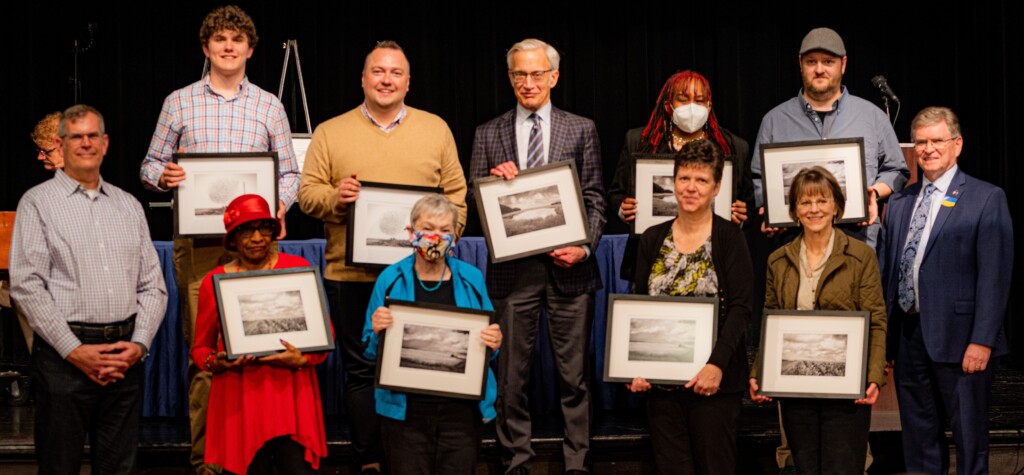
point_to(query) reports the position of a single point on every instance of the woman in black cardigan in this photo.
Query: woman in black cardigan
(693, 427)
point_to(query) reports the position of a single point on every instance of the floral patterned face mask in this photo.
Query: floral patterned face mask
(433, 246)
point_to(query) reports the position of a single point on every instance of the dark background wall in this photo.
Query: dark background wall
(966, 55)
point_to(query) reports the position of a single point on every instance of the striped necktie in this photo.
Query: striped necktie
(535, 151)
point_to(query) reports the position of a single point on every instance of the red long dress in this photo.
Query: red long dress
(261, 402)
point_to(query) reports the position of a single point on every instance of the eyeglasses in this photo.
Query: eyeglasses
(266, 228)
(74, 138)
(46, 152)
(520, 76)
(937, 144)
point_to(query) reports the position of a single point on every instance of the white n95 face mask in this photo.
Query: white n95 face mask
(691, 117)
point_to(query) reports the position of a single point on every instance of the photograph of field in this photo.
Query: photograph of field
(219, 189)
(387, 225)
(664, 196)
(434, 348)
(532, 210)
(814, 354)
(662, 339)
(275, 312)
(789, 171)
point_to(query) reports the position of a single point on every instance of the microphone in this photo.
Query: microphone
(883, 85)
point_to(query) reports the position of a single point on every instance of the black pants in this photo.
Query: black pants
(348, 301)
(70, 406)
(827, 435)
(438, 436)
(691, 433)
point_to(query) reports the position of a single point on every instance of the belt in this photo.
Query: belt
(104, 331)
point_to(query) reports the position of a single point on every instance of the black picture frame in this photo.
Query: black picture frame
(212, 180)
(381, 207)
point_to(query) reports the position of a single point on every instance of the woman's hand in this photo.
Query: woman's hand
(870, 396)
(381, 319)
(220, 362)
(491, 336)
(628, 209)
(638, 385)
(707, 381)
(753, 393)
(290, 358)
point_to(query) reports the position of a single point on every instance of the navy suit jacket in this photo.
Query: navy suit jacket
(964, 279)
(572, 138)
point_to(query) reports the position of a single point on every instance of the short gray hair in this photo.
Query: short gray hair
(74, 113)
(530, 44)
(434, 204)
(933, 115)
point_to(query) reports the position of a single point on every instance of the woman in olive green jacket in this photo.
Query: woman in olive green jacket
(824, 269)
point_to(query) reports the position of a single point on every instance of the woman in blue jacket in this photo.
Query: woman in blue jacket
(420, 433)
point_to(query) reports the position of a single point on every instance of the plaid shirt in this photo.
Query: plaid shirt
(198, 120)
(76, 258)
(384, 128)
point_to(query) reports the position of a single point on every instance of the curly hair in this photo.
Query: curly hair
(700, 153)
(660, 123)
(45, 132)
(228, 17)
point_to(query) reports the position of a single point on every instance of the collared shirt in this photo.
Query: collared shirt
(809, 278)
(196, 119)
(76, 258)
(384, 128)
(523, 126)
(941, 187)
(851, 116)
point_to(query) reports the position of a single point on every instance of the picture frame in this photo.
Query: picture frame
(300, 144)
(258, 309)
(654, 189)
(212, 180)
(435, 350)
(814, 354)
(540, 210)
(780, 163)
(665, 340)
(377, 236)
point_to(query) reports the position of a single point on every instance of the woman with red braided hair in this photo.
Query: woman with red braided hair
(682, 114)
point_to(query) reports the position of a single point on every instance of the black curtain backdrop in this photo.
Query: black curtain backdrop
(965, 55)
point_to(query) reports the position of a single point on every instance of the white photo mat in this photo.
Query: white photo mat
(812, 326)
(212, 181)
(467, 384)
(559, 177)
(665, 340)
(300, 144)
(778, 157)
(648, 168)
(296, 292)
(381, 215)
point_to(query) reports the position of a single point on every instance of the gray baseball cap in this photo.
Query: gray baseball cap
(825, 39)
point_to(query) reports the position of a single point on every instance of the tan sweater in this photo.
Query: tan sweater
(421, 151)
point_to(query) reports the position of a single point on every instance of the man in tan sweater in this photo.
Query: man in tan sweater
(382, 140)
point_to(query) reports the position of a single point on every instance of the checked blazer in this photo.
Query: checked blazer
(572, 138)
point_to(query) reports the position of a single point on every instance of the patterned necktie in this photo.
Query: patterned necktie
(906, 290)
(535, 151)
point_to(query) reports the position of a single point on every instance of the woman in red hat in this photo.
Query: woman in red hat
(264, 413)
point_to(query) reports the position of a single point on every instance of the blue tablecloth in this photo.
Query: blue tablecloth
(166, 384)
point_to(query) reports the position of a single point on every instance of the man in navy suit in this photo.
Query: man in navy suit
(561, 281)
(946, 254)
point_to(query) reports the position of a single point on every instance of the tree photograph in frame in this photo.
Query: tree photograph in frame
(540, 210)
(434, 349)
(665, 340)
(814, 354)
(781, 162)
(654, 190)
(258, 309)
(377, 234)
(212, 180)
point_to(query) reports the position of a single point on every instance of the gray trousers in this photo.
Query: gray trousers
(569, 321)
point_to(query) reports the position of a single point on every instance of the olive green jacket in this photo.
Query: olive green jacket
(849, 282)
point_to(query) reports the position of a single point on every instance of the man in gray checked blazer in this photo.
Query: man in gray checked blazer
(561, 281)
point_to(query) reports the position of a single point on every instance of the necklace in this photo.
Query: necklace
(678, 141)
(439, 280)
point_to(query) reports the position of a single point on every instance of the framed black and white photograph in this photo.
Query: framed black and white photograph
(434, 349)
(300, 144)
(540, 210)
(259, 309)
(377, 223)
(780, 163)
(665, 340)
(654, 190)
(212, 180)
(814, 354)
